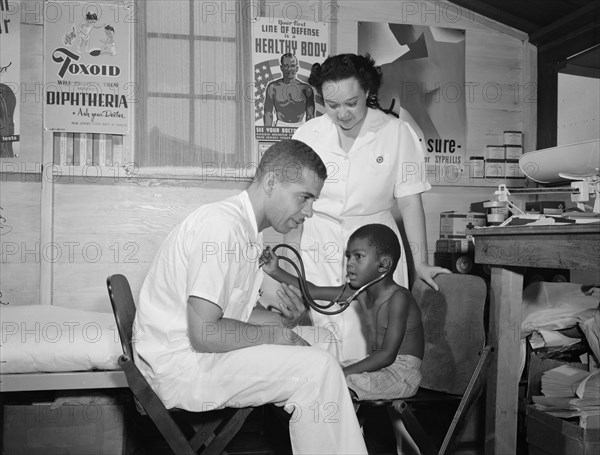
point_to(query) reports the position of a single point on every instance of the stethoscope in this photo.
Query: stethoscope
(323, 309)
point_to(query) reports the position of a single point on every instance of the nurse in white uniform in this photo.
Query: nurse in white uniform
(373, 161)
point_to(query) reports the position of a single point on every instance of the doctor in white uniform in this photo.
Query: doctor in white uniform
(201, 340)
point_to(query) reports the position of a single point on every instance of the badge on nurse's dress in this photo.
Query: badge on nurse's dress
(380, 159)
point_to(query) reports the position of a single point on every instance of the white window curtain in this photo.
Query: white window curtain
(193, 66)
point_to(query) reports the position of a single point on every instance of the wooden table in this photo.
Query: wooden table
(509, 250)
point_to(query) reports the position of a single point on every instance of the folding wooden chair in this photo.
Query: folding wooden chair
(456, 358)
(210, 431)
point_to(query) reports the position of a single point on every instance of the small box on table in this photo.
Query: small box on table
(513, 138)
(453, 225)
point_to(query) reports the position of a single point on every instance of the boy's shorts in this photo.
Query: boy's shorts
(399, 380)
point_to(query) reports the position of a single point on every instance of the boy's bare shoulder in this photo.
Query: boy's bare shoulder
(401, 295)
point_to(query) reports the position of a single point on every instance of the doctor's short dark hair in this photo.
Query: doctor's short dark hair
(287, 159)
(382, 238)
(345, 66)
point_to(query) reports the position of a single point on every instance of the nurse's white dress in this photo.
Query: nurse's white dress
(385, 162)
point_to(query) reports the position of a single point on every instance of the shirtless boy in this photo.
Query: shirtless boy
(392, 370)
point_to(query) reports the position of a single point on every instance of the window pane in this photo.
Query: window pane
(168, 65)
(215, 136)
(168, 16)
(222, 72)
(219, 18)
(168, 133)
(204, 119)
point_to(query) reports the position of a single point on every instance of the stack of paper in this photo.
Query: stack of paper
(565, 403)
(571, 392)
(562, 381)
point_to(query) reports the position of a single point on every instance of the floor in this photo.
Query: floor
(266, 433)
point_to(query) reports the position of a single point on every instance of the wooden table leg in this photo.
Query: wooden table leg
(503, 382)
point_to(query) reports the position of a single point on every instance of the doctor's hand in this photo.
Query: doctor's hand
(427, 273)
(291, 305)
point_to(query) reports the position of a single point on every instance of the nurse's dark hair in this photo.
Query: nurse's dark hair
(382, 238)
(344, 66)
(287, 159)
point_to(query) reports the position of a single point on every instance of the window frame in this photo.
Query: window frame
(244, 119)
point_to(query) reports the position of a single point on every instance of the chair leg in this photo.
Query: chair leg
(204, 431)
(465, 408)
(226, 434)
(405, 444)
(415, 429)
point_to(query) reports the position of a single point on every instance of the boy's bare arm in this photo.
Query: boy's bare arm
(271, 268)
(398, 312)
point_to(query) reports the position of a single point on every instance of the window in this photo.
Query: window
(194, 115)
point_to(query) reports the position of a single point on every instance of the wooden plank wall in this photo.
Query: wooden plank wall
(117, 227)
(21, 252)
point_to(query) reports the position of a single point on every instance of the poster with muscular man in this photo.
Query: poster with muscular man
(284, 52)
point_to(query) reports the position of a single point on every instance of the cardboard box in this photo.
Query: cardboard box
(549, 435)
(454, 246)
(513, 152)
(495, 168)
(512, 170)
(494, 152)
(513, 138)
(47, 429)
(454, 224)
